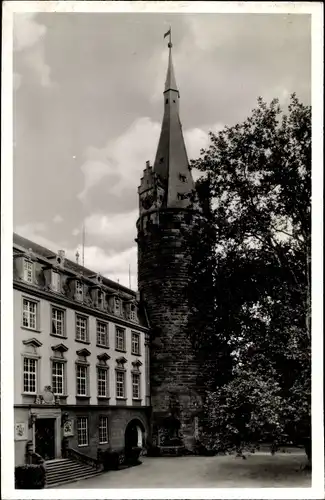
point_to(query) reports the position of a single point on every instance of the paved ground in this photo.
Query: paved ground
(260, 470)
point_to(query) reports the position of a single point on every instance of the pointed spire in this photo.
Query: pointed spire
(171, 163)
(170, 78)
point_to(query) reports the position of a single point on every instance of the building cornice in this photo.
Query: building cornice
(83, 308)
(65, 407)
(162, 210)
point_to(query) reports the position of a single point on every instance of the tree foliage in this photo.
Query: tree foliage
(250, 278)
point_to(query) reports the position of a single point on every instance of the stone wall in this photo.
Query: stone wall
(118, 419)
(163, 281)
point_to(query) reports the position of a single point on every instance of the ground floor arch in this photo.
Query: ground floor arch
(134, 435)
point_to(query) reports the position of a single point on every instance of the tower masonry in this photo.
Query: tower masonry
(168, 209)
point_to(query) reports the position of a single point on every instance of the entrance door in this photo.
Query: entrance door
(132, 436)
(45, 437)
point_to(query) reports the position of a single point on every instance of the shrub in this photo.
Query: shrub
(30, 477)
(153, 451)
(200, 449)
(109, 459)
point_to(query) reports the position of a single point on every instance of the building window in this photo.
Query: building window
(117, 305)
(28, 271)
(102, 382)
(120, 339)
(82, 382)
(82, 429)
(58, 378)
(56, 281)
(135, 385)
(132, 313)
(100, 301)
(30, 375)
(102, 338)
(29, 314)
(120, 384)
(135, 343)
(57, 322)
(81, 328)
(79, 291)
(103, 430)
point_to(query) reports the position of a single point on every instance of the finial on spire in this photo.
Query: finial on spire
(170, 79)
(169, 32)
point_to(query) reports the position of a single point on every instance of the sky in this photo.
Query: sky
(88, 105)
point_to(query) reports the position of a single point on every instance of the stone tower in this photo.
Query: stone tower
(168, 206)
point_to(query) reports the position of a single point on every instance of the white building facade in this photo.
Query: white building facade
(81, 358)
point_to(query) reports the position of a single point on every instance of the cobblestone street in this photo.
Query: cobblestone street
(258, 471)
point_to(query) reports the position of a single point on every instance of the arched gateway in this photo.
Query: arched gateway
(134, 435)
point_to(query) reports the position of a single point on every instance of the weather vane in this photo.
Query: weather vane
(169, 32)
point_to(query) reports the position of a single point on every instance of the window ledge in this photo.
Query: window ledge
(83, 341)
(102, 346)
(136, 353)
(31, 394)
(82, 396)
(120, 350)
(137, 399)
(103, 397)
(120, 399)
(105, 442)
(83, 445)
(58, 336)
(31, 329)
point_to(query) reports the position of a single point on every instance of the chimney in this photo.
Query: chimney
(60, 257)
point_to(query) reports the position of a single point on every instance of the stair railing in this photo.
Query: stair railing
(81, 457)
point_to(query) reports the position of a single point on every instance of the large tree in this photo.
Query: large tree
(256, 330)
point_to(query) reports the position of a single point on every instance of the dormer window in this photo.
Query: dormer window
(60, 258)
(100, 299)
(79, 291)
(56, 281)
(117, 304)
(132, 313)
(28, 270)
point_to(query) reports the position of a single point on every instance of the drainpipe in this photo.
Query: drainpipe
(147, 358)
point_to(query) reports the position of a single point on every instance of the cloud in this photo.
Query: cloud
(27, 32)
(198, 138)
(36, 60)
(57, 219)
(122, 161)
(116, 266)
(116, 230)
(31, 227)
(28, 37)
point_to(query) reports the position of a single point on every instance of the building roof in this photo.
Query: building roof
(171, 163)
(19, 242)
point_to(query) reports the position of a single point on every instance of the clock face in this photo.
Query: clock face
(147, 201)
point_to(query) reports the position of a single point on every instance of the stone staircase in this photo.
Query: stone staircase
(66, 470)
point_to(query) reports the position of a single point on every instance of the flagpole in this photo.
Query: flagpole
(83, 245)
